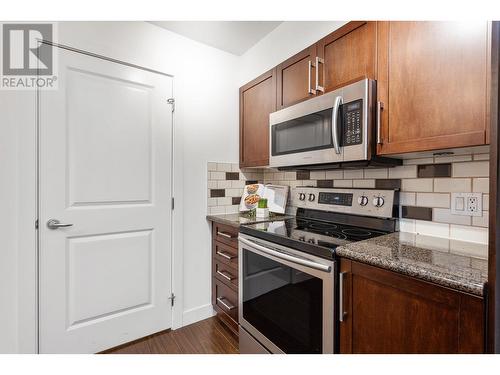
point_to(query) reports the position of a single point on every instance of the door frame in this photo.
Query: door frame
(493, 296)
(28, 241)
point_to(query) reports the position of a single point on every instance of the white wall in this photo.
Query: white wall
(281, 43)
(206, 126)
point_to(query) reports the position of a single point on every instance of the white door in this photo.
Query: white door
(105, 168)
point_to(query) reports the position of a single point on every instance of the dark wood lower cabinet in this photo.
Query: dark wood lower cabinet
(225, 274)
(385, 312)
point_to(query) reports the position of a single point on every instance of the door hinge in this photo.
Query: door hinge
(172, 102)
(36, 224)
(172, 299)
(173, 203)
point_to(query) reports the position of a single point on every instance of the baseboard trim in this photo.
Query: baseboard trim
(198, 313)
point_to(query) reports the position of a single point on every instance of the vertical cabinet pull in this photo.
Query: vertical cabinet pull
(309, 68)
(341, 296)
(319, 60)
(380, 108)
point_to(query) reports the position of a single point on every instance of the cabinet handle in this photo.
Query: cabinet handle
(225, 255)
(226, 275)
(221, 301)
(309, 68)
(341, 296)
(319, 60)
(227, 235)
(380, 108)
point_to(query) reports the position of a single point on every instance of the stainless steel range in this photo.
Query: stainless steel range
(288, 295)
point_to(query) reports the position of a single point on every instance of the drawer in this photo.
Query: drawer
(225, 254)
(225, 299)
(225, 234)
(226, 273)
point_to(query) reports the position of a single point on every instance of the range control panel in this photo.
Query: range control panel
(368, 202)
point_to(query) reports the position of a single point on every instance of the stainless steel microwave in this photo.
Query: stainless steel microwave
(334, 130)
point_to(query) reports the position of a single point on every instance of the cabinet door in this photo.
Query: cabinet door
(386, 312)
(433, 79)
(295, 78)
(257, 101)
(349, 54)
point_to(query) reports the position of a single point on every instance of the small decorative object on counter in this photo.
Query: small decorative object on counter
(275, 195)
(262, 210)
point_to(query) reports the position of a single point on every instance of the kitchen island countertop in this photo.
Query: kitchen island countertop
(454, 264)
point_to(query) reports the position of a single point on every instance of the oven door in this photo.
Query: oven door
(286, 297)
(307, 133)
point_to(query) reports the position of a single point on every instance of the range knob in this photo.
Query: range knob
(378, 201)
(363, 200)
(302, 197)
(312, 197)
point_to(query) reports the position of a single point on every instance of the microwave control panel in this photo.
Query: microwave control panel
(353, 115)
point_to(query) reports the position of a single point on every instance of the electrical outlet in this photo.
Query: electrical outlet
(467, 204)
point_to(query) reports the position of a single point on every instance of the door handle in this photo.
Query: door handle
(336, 107)
(56, 224)
(319, 60)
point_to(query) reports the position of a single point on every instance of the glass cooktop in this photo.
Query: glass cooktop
(313, 236)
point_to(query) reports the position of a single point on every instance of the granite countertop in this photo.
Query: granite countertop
(236, 220)
(454, 264)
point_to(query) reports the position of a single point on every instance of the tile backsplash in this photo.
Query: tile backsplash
(425, 187)
(225, 186)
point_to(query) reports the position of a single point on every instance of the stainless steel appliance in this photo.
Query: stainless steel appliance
(335, 130)
(288, 295)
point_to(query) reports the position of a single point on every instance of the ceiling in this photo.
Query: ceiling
(235, 37)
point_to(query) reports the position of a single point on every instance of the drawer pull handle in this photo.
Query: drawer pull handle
(225, 255)
(221, 301)
(227, 235)
(226, 275)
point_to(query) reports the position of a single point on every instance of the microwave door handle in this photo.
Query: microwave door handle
(335, 133)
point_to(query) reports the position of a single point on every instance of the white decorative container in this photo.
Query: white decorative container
(262, 212)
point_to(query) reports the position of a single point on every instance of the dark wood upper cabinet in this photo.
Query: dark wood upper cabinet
(295, 78)
(385, 312)
(349, 54)
(433, 80)
(257, 101)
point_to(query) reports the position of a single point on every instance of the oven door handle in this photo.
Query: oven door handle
(335, 125)
(290, 258)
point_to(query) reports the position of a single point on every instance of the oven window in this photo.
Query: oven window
(307, 133)
(283, 304)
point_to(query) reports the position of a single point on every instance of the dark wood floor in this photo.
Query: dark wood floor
(208, 336)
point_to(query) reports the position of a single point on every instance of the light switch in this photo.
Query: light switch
(459, 203)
